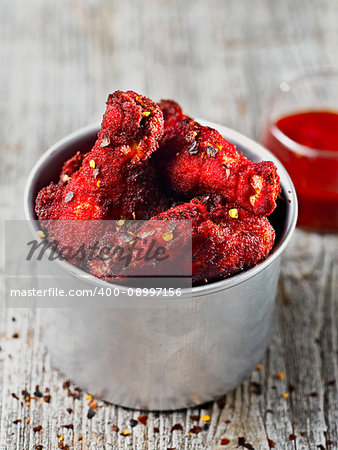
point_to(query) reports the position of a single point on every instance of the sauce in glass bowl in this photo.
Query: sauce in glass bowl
(306, 142)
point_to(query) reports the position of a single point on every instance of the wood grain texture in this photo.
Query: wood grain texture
(220, 59)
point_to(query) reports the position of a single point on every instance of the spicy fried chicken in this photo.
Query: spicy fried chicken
(155, 163)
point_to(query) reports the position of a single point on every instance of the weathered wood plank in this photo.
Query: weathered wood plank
(220, 60)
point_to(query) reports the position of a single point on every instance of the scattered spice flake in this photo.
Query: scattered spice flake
(91, 413)
(125, 433)
(177, 426)
(61, 438)
(37, 428)
(92, 164)
(145, 113)
(256, 388)
(47, 398)
(13, 394)
(331, 382)
(285, 395)
(25, 394)
(105, 141)
(193, 150)
(143, 419)
(120, 222)
(89, 397)
(65, 384)
(63, 446)
(329, 442)
(69, 426)
(38, 447)
(233, 213)
(16, 421)
(15, 336)
(168, 237)
(69, 196)
(269, 411)
(75, 395)
(212, 151)
(28, 420)
(291, 388)
(92, 403)
(133, 423)
(115, 428)
(292, 437)
(69, 410)
(225, 441)
(271, 443)
(99, 182)
(303, 433)
(40, 234)
(259, 367)
(37, 392)
(195, 418)
(242, 443)
(321, 447)
(280, 376)
(205, 418)
(313, 394)
(195, 430)
(156, 430)
(227, 421)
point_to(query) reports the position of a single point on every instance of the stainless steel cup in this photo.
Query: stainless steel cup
(162, 353)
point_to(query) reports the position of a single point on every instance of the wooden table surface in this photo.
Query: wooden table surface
(220, 60)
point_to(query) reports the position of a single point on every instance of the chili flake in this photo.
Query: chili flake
(280, 376)
(105, 141)
(115, 428)
(233, 213)
(259, 367)
(271, 443)
(225, 441)
(145, 113)
(292, 437)
(125, 433)
(28, 420)
(168, 237)
(212, 151)
(133, 423)
(98, 184)
(143, 419)
(177, 426)
(37, 428)
(193, 150)
(69, 196)
(92, 163)
(285, 394)
(205, 418)
(40, 234)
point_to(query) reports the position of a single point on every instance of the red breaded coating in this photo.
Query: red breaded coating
(71, 166)
(115, 179)
(172, 113)
(225, 241)
(197, 160)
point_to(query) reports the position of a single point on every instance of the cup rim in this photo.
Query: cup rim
(283, 88)
(234, 280)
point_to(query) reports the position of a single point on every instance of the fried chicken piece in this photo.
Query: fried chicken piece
(115, 179)
(197, 160)
(224, 241)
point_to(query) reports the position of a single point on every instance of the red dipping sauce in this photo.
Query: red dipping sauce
(307, 145)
